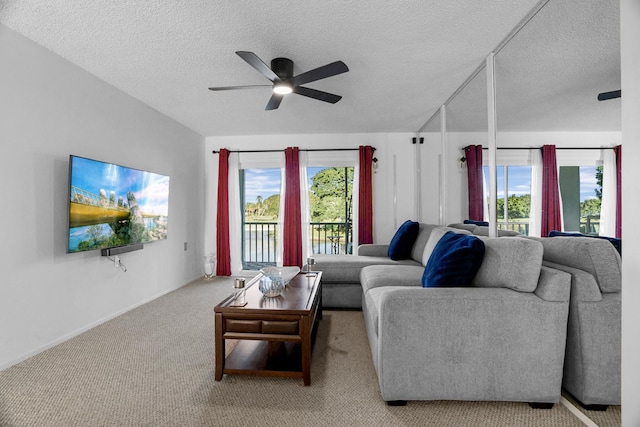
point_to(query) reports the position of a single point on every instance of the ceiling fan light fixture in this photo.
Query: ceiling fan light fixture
(280, 74)
(282, 88)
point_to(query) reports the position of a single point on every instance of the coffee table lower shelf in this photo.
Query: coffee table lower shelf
(274, 336)
(265, 358)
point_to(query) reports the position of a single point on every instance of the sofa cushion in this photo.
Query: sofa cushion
(402, 242)
(484, 231)
(434, 237)
(512, 263)
(375, 276)
(454, 261)
(463, 226)
(371, 249)
(595, 256)
(617, 243)
(337, 268)
(424, 234)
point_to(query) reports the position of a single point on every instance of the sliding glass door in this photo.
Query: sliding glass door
(331, 206)
(260, 200)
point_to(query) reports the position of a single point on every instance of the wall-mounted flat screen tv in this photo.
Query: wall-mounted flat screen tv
(113, 206)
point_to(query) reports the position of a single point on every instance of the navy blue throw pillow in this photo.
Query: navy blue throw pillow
(617, 243)
(480, 223)
(453, 262)
(402, 242)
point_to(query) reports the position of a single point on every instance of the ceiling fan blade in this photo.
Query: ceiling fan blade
(317, 94)
(323, 72)
(609, 95)
(238, 87)
(253, 60)
(274, 102)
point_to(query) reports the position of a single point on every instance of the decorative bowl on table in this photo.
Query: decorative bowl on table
(275, 279)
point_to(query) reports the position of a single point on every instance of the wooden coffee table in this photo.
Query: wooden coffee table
(275, 334)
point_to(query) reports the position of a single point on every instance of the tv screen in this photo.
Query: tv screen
(112, 205)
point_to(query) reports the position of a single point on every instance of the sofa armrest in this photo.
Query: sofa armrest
(420, 301)
(373, 250)
(434, 340)
(595, 256)
(583, 285)
(553, 284)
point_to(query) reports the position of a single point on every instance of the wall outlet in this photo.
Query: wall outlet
(116, 261)
(185, 246)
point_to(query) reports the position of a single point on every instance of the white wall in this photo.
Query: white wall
(51, 109)
(387, 214)
(630, 66)
(430, 152)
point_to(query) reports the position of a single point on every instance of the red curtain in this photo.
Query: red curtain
(223, 251)
(292, 230)
(473, 154)
(365, 195)
(618, 152)
(551, 219)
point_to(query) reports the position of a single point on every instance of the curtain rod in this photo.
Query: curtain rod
(557, 148)
(302, 149)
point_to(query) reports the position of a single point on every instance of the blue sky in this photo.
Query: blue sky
(151, 190)
(261, 182)
(588, 183)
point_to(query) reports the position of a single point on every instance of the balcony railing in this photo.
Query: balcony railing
(259, 244)
(588, 225)
(260, 241)
(331, 238)
(520, 227)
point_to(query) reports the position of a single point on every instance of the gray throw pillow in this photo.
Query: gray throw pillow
(434, 238)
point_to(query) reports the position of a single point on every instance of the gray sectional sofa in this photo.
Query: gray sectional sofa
(503, 338)
(592, 361)
(341, 287)
(481, 230)
(341, 273)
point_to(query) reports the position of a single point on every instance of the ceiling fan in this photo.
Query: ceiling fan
(284, 82)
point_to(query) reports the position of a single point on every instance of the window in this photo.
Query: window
(580, 174)
(327, 203)
(260, 198)
(331, 209)
(581, 193)
(514, 186)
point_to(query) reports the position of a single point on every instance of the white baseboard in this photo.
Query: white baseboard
(77, 332)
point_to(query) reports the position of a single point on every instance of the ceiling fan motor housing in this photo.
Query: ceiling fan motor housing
(283, 67)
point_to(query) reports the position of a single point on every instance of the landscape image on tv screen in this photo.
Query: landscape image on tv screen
(112, 205)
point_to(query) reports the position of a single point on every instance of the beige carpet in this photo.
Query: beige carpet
(154, 366)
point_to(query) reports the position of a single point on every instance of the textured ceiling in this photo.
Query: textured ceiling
(549, 74)
(553, 70)
(405, 58)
